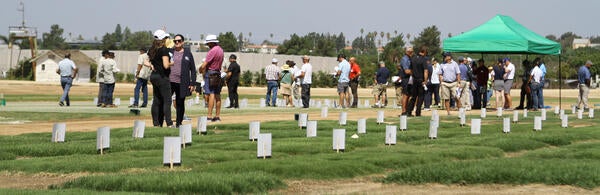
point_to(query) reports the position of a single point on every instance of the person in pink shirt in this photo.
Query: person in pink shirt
(212, 74)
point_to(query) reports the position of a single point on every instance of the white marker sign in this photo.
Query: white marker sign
(380, 116)
(202, 125)
(185, 132)
(403, 123)
(339, 140)
(537, 123)
(103, 139)
(58, 132)
(172, 151)
(254, 130)
(362, 125)
(343, 117)
(302, 119)
(263, 147)
(139, 127)
(475, 126)
(390, 135)
(311, 129)
(432, 129)
(324, 112)
(506, 126)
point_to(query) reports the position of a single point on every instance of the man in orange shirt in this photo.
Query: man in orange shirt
(354, 76)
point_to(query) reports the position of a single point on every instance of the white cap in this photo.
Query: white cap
(160, 34)
(274, 60)
(469, 59)
(211, 39)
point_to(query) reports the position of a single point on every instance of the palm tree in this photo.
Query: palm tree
(4, 38)
(271, 35)
(362, 30)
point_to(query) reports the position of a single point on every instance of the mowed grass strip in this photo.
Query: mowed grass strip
(227, 153)
(180, 182)
(577, 165)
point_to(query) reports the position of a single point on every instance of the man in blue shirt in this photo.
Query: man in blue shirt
(465, 84)
(343, 71)
(405, 73)
(67, 71)
(380, 87)
(542, 82)
(584, 77)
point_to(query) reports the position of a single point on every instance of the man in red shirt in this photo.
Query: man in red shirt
(354, 76)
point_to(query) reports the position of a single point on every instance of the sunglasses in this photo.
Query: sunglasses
(177, 40)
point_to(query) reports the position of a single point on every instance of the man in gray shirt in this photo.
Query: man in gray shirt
(449, 77)
(67, 71)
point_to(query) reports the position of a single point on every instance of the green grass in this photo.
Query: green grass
(224, 161)
(56, 116)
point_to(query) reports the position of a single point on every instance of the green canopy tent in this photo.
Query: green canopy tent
(503, 35)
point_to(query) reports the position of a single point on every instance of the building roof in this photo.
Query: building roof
(77, 56)
(581, 41)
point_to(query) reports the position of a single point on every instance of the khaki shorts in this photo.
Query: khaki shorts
(448, 90)
(507, 86)
(286, 89)
(379, 89)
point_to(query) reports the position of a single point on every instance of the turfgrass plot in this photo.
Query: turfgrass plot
(224, 161)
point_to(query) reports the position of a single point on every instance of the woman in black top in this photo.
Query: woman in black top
(499, 82)
(160, 60)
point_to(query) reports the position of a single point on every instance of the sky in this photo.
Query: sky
(94, 18)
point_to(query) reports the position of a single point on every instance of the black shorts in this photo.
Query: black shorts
(198, 88)
(406, 88)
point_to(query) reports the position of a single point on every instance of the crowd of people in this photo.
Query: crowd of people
(421, 82)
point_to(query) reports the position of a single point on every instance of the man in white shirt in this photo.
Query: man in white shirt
(343, 73)
(67, 71)
(142, 74)
(306, 80)
(535, 84)
(509, 75)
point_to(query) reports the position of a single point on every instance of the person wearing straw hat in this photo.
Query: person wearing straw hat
(287, 76)
(212, 74)
(272, 76)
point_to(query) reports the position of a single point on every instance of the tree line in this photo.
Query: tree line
(368, 48)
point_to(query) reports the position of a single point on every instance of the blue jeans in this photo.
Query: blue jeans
(535, 94)
(271, 91)
(143, 85)
(66, 83)
(107, 93)
(541, 95)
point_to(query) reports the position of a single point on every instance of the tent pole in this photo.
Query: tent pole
(559, 84)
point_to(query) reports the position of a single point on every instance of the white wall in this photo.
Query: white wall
(127, 60)
(49, 71)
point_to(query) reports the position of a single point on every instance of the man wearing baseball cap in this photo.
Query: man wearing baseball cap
(509, 75)
(584, 77)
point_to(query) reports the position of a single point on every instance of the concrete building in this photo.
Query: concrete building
(577, 43)
(261, 49)
(47, 64)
